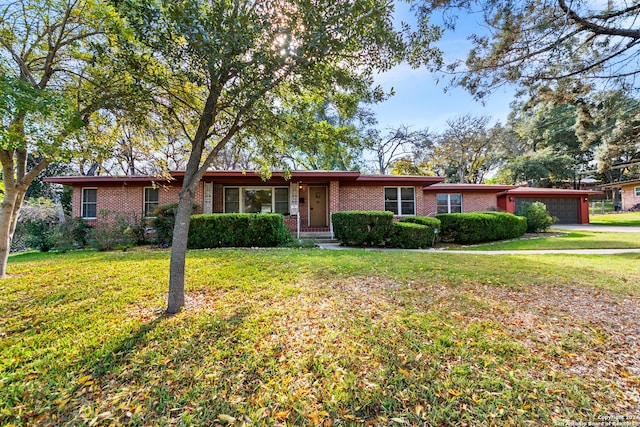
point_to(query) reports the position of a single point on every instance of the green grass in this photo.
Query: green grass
(620, 219)
(570, 240)
(313, 337)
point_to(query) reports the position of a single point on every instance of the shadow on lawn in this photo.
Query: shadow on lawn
(124, 353)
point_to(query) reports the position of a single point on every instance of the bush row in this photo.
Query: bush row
(476, 227)
(113, 231)
(375, 228)
(237, 230)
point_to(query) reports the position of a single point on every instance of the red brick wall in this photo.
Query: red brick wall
(127, 199)
(361, 198)
(471, 202)
(629, 198)
(371, 198)
(218, 198)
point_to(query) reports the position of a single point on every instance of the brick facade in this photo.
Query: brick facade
(346, 191)
(629, 197)
(126, 199)
(361, 198)
(471, 201)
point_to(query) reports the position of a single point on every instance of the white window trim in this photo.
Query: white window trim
(241, 201)
(636, 191)
(399, 198)
(82, 202)
(449, 201)
(144, 200)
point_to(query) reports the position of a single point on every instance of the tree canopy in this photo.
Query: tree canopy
(545, 44)
(58, 67)
(225, 68)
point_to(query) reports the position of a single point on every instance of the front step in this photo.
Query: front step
(318, 235)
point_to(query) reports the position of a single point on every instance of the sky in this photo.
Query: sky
(420, 101)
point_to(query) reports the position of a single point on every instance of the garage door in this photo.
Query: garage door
(566, 209)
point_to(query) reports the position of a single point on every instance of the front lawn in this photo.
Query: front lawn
(619, 219)
(568, 240)
(317, 337)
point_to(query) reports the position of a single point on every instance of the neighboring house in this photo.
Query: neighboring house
(308, 198)
(629, 193)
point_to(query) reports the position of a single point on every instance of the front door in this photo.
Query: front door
(317, 206)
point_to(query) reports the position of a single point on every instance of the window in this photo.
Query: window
(231, 200)
(256, 200)
(400, 200)
(151, 200)
(636, 191)
(89, 203)
(449, 203)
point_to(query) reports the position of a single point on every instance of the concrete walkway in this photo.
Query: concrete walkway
(599, 228)
(336, 246)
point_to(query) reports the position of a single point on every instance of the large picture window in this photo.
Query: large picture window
(400, 200)
(89, 203)
(256, 200)
(151, 200)
(449, 203)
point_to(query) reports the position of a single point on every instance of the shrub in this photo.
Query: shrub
(119, 233)
(39, 235)
(431, 223)
(409, 235)
(476, 227)
(538, 219)
(164, 219)
(237, 230)
(362, 227)
(35, 226)
(72, 234)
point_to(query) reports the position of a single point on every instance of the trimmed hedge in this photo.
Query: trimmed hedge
(360, 228)
(410, 235)
(477, 227)
(430, 222)
(237, 230)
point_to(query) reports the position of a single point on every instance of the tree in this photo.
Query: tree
(149, 144)
(228, 66)
(408, 166)
(396, 145)
(544, 168)
(464, 151)
(53, 78)
(610, 122)
(552, 128)
(326, 131)
(540, 44)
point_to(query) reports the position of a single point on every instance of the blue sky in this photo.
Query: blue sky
(421, 102)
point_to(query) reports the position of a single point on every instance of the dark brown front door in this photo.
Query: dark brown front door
(317, 206)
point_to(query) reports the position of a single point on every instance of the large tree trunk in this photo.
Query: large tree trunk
(179, 252)
(7, 226)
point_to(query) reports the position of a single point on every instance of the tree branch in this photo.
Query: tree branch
(598, 29)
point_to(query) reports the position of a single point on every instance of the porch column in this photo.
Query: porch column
(334, 201)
